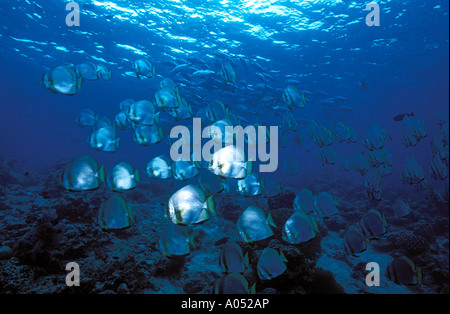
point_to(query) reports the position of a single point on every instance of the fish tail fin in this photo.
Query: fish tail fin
(270, 221)
(315, 226)
(130, 214)
(101, 174)
(419, 275)
(253, 289)
(178, 96)
(137, 177)
(210, 204)
(173, 168)
(384, 219)
(336, 202)
(283, 258)
(117, 143)
(157, 117)
(192, 239)
(103, 223)
(249, 167)
(263, 185)
(41, 80)
(79, 82)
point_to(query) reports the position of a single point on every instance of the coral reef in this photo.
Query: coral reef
(228, 208)
(7, 175)
(282, 200)
(412, 244)
(43, 227)
(199, 282)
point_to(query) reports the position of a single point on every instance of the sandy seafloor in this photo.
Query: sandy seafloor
(46, 227)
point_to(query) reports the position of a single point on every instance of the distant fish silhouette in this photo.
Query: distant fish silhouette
(363, 85)
(401, 116)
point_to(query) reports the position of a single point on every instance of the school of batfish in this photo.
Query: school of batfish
(194, 203)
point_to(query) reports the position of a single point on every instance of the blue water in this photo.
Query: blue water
(323, 47)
